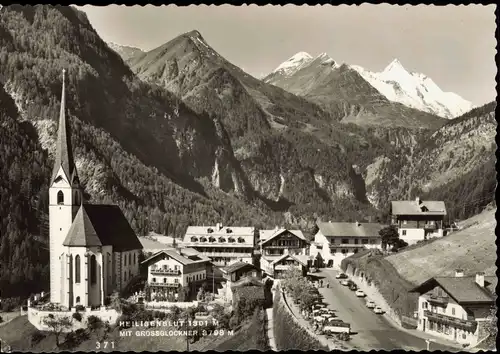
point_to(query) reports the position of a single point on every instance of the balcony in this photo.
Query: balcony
(430, 226)
(165, 271)
(469, 324)
(165, 285)
(438, 300)
(227, 254)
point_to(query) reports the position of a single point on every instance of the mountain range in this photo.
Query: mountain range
(179, 135)
(395, 83)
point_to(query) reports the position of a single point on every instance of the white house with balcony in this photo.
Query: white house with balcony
(335, 241)
(274, 244)
(418, 219)
(456, 308)
(224, 245)
(170, 269)
(93, 249)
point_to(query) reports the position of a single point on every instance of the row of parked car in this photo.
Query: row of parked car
(345, 281)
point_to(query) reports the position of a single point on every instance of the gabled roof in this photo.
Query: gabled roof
(298, 258)
(464, 290)
(105, 223)
(64, 151)
(268, 235)
(177, 255)
(340, 229)
(237, 266)
(418, 207)
(82, 232)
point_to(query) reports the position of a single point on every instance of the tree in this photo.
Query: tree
(389, 236)
(492, 328)
(58, 325)
(94, 323)
(201, 295)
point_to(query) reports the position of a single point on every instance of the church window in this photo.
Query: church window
(60, 197)
(125, 276)
(77, 198)
(125, 260)
(78, 298)
(134, 259)
(93, 269)
(129, 259)
(77, 269)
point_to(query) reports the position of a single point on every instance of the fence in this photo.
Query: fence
(167, 304)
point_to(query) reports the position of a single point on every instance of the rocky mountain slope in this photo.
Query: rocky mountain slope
(136, 145)
(186, 137)
(280, 140)
(307, 76)
(454, 163)
(126, 52)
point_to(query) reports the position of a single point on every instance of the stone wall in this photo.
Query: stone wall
(36, 317)
(166, 304)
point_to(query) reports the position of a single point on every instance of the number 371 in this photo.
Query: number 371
(105, 345)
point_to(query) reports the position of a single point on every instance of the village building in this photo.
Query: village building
(93, 249)
(456, 308)
(335, 241)
(170, 269)
(277, 267)
(224, 245)
(277, 242)
(418, 219)
(239, 274)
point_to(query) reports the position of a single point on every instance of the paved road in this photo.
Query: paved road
(372, 331)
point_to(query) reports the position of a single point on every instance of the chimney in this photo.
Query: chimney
(480, 279)
(218, 226)
(417, 199)
(459, 273)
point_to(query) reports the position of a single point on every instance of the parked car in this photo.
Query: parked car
(370, 304)
(353, 287)
(378, 310)
(360, 293)
(341, 276)
(344, 282)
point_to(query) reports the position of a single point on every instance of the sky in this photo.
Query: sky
(453, 45)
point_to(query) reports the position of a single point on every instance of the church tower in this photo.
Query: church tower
(65, 198)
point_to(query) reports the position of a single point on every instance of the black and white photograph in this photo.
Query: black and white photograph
(247, 178)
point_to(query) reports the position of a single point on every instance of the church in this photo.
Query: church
(93, 249)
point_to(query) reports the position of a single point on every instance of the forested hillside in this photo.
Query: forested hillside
(185, 137)
(133, 145)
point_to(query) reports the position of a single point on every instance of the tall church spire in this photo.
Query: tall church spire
(64, 152)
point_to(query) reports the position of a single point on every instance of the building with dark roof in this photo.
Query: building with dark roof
(418, 219)
(93, 249)
(335, 241)
(239, 274)
(456, 308)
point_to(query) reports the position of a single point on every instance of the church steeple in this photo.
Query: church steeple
(64, 151)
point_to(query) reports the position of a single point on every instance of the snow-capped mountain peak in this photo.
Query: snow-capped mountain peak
(414, 90)
(325, 59)
(294, 64)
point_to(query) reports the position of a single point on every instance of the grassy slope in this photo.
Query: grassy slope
(471, 249)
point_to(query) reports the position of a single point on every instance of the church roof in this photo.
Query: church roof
(107, 224)
(64, 151)
(82, 231)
